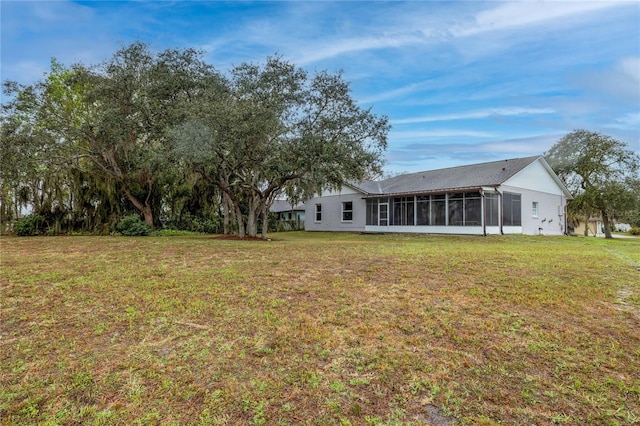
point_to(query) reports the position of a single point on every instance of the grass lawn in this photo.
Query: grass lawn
(316, 328)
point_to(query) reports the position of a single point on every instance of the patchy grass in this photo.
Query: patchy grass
(316, 328)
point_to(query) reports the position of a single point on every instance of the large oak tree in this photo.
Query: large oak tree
(156, 131)
(115, 115)
(601, 173)
(275, 130)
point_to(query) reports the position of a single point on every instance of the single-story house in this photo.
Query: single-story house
(516, 196)
(290, 217)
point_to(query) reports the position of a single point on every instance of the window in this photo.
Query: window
(423, 205)
(372, 212)
(464, 209)
(377, 212)
(456, 209)
(438, 210)
(318, 212)
(403, 211)
(492, 208)
(534, 209)
(347, 211)
(472, 209)
(511, 209)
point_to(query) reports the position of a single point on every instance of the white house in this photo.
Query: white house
(516, 196)
(289, 217)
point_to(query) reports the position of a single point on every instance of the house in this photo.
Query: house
(288, 217)
(594, 226)
(516, 196)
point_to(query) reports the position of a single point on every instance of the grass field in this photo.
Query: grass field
(315, 328)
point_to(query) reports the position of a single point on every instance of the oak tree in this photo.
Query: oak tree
(600, 172)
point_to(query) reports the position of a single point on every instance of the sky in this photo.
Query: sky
(461, 82)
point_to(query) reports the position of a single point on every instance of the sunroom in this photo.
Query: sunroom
(475, 211)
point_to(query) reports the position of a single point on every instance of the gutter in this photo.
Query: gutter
(426, 191)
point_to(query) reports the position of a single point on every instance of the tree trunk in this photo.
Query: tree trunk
(226, 213)
(148, 215)
(586, 226)
(252, 220)
(241, 229)
(605, 223)
(144, 208)
(265, 221)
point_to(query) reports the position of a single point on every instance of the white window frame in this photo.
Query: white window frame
(344, 210)
(318, 212)
(535, 208)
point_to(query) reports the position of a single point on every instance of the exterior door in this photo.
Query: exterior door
(383, 214)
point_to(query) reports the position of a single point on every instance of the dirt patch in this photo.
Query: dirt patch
(622, 304)
(433, 416)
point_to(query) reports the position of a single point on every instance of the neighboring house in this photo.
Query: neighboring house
(595, 226)
(517, 196)
(290, 217)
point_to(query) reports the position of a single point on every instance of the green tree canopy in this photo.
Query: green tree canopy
(601, 173)
(151, 132)
(276, 130)
(115, 115)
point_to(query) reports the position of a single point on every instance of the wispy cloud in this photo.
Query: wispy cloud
(423, 156)
(414, 135)
(376, 42)
(629, 121)
(474, 115)
(523, 14)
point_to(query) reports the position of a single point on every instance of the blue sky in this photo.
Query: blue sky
(461, 82)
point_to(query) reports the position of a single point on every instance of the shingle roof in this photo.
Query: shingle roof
(454, 178)
(279, 206)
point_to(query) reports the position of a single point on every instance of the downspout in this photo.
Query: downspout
(500, 222)
(483, 206)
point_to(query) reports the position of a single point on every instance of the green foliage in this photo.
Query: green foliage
(276, 130)
(601, 173)
(133, 226)
(33, 224)
(634, 230)
(167, 136)
(192, 223)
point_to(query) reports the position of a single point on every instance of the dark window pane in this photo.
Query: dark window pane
(438, 212)
(491, 209)
(423, 205)
(456, 212)
(472, 212)
(372, 212)
(512, 210)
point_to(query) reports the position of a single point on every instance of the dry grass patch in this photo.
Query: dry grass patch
(316, 328)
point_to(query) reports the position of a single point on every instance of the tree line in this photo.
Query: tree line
(170, 138)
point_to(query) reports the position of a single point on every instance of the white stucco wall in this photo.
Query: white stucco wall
(536, 184)
(332, 211)
(551, 207)
(536, 178)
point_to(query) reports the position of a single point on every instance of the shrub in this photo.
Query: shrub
(32, 224)
(132, 226)
(634, 230)
(196, 224)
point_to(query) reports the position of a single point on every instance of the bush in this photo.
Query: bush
(196, 224)
(634, 231)
(32, 224)
(132, 226)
